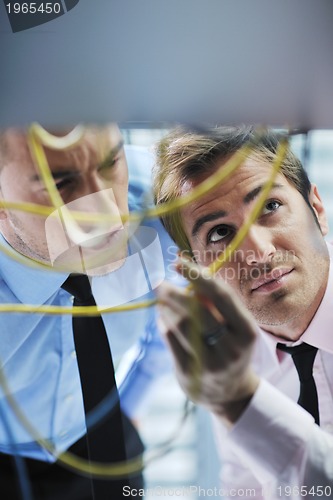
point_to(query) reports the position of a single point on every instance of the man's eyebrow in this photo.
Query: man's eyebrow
(255, 192)
(62, 174)
(222, 213)
(110, 156)
(207, 218)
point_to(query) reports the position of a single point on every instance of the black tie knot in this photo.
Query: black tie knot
(79, 286)
(303, 356)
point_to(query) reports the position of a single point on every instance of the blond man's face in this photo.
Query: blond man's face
(280, 270)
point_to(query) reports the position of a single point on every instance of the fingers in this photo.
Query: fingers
(207, 315)
(191, 330)
(225, 301)
(181, 315)
(181, 343)
(211, 336)
(181, 357)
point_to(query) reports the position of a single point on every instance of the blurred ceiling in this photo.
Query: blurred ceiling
(163, 61)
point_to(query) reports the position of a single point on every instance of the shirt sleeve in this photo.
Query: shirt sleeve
(279, 443)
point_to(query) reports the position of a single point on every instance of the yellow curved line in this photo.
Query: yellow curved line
(38, 153)
(45, 211)
(77, 311)
(68, 141)
(203, 188)
(244, 229)
(36, 132)
(196, 367)
(76, 463)
(68, 459)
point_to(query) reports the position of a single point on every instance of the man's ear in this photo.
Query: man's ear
(318, 208)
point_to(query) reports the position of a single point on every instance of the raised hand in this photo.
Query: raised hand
(211, 336)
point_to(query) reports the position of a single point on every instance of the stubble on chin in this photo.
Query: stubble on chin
(29, 251)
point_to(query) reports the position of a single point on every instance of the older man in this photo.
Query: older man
(273, 294)
(62, 386)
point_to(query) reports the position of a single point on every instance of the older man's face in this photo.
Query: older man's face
(91, 177)
(280, 270)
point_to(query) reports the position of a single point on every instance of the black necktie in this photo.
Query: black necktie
(303, 356)
(105, 440)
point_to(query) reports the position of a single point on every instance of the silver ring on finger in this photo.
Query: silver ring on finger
(212, 337)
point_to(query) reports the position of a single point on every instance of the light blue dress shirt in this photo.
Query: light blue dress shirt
(37, 351)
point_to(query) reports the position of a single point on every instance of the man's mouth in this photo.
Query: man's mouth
(103, 241)
(272, 280)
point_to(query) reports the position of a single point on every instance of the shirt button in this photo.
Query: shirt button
(63, 434)
(73, 354)
(69, 398)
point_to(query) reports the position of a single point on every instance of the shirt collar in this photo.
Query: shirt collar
(319, 331)
(265, 358)
(31, 285)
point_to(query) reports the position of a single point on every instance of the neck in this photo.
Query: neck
(295, 327)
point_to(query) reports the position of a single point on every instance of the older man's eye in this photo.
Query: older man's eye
(106, 168)
(271, 206)
(63, 184)
(219, 233)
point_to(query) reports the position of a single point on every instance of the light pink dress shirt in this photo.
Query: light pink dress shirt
(275, 448)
